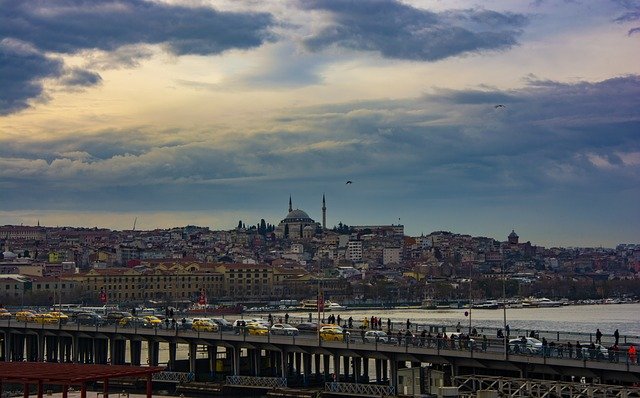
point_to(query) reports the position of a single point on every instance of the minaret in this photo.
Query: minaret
(290, 206)
(324, 213)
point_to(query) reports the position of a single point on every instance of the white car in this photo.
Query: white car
(378, 335)
(526, 345)
(600, 352)
(284, 329)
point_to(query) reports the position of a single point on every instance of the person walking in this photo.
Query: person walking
(578, 350)
(408, 323)
(598, 336)
(633, 353)
(616, 335)
(389, 325)
(569, 349)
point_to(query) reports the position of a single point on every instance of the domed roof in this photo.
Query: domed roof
(513, 234)
(297, 214)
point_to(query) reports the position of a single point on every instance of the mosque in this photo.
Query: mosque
(298, 225)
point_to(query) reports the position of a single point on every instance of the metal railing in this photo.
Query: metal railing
(371, 390)
(173, 377)
(254, 381)
(510, 387)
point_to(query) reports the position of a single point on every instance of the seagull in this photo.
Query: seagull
(348, 182)
(499, 106)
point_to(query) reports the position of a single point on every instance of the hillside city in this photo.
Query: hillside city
(259, 263)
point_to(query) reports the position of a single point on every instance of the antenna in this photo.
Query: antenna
(134, 224)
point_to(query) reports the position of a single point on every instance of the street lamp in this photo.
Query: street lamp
(504, 304)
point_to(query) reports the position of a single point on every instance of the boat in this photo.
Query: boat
(487, 305)
(543, 302)
(329, 305)
(209, 309)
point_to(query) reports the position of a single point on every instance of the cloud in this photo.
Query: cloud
(73, 26)
(22, 68)
(80, 77)
(400, 31)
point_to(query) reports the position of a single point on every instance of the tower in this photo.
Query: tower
(290, 206)
(324, 213)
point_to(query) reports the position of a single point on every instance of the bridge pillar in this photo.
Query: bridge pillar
(31, 348)
(325, 367)
(316, 366)
(393, 376)
(153, 349)
(306, 363)
(257, 361)
(336, 367)
(365, 370)
(90, 349)
(283, 363)
(212, 354)
(385, 371)
(40, 344)
(102, 354)
(298, 361)
(112, 350)
(378, 368)
(193, 353)
(19, 350)
(236, 361)
(345, 368)
(173, 347)
(135, 348)
(290, 363)
(74, 348)
(120, 357)
(357, 369)
(5, 348)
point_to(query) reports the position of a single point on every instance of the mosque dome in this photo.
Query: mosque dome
(297, 215)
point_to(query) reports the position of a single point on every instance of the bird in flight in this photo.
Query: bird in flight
(349, 182)
(499, 106)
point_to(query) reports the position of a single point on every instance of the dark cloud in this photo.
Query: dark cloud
(631, 13)
(81, 77)
(71, 26)
(397, 30)
(21, 69)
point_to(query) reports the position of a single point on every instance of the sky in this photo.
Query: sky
(170, 113)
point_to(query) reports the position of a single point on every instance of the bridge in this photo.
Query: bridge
(302, 360)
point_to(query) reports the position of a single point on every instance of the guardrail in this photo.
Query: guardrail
(371, 390)
(255, 381)
(173, 377)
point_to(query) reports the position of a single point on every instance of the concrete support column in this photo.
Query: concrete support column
(212, 354)
(193, 353)
(283, 363)
(336, 366)
(325, 367)
(316, 366)
(7, 347)
(40, 343)
(298, 363)
(393, 376)
(365, 370)
(74, 348)
(378, 368)
(135, 351)
(306, 364)
(346, 368)
(153, 351)
(112, 351)
(173, 347)
(236, 361)
(357, 370)
(385, 372)
(257, 358)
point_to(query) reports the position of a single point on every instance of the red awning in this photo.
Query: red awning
(68, 373)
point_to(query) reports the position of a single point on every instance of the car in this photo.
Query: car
(284, 329)
(333, 333)
(153, 320)
(114, 317)
(24, 316)
(379, 336)
(133, 322)
(61, 317)
(598, 352)
(88, 318)
(204, 325)
(525, 345)
(4, 314)
(257, 329)
(308, 327)
(45, 319)
(222, 323)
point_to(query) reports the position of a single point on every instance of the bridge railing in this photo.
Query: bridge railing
(174, 377)
(512, 387)
(255, 381)
(371, 390)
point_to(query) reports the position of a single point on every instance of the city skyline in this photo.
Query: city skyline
(222, 117)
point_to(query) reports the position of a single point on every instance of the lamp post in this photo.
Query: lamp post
(504, 304)
(470, 295)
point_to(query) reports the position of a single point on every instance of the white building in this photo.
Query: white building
(354, 250)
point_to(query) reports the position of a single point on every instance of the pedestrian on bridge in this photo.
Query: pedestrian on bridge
(408, 323)
(598, 336)
(569, 349)
(389, 325)
(616, 335)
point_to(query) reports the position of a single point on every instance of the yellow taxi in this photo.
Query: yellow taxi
(332, 333)
(24, 316)
(153, 320)
(60, 317)
(257, 329)
(204, 325)
(4, 314)
(133, 322)
(45, 319)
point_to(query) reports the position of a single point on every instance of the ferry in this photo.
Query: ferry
(312, 304)
(543, 302)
